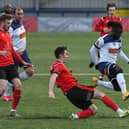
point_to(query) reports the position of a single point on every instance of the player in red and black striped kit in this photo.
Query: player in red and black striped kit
(8, 69)
(78, 95)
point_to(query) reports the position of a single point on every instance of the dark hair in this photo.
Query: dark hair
(5, 17)
(117, 29)
(18, 9)
(111, 5)
(59, 50)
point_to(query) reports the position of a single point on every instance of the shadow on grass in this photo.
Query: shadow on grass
(44, 116)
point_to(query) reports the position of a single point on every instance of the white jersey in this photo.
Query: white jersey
(109, 48)
(18, 35)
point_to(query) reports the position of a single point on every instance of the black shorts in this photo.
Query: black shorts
(80, 97)
(8, 72)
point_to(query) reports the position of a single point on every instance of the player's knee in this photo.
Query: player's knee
(98, 94)
(115, 69)
(101, 95)
(2, 89)
(116, 85)
(17, 84)
(30, 71)
(94, 108)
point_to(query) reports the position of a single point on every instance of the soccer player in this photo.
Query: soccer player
(18, 34)
(102, 27)
(78, 95)
(8, 70)
(109, 47)
(7, 9)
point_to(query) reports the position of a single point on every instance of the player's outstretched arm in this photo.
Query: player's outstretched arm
(123, 56)
(51, 85)
(93, 54)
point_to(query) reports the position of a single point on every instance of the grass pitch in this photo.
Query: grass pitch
(40, 112)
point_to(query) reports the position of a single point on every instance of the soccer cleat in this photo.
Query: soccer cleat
(7, 98)
(124, 114)
(14, 114)
(125, 96)
(94, 82)
(73, 116)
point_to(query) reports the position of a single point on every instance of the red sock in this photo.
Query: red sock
(0, 95)
(16, 98)
(110, 103)
(85, 113)
(102, 75)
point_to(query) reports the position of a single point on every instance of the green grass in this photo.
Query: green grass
(40, 112)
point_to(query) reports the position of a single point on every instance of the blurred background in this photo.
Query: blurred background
(66, 15)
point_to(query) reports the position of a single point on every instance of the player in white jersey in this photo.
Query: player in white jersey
(109, 47)
(18, 34)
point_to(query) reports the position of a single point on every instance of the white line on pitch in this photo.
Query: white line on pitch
(76, 74)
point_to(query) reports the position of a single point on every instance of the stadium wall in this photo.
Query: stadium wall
(65, 24)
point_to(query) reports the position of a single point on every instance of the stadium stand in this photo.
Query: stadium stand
(82, 13)
(64, 7)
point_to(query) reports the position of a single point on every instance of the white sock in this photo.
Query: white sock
(121, 82)
(76, 116)
(23, 75)
(105, 84)
(8, 89)
(14, 110)
(119, 111)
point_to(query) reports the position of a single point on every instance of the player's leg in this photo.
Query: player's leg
(16, 96)
(13, 77)
(26, 74)
(2, 86)
(109, 103)
(85, 113)
(117, 72)
(103, 69)
(81, 99)
(6, 96)
(106, 84)
(28, 71)
(3, 81)
(101, 76)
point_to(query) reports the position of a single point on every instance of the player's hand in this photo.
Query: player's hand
(91, 64)
(4, 53)
(51, 95)
(26, 64)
